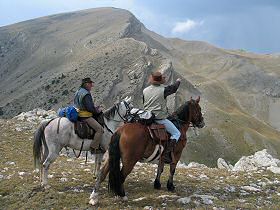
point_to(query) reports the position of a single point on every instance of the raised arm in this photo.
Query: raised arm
(170, 89)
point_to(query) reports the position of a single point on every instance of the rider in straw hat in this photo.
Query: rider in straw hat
(154, 99)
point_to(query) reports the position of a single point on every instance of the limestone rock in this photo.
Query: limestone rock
(222, 164)
(258, 160)
(196, 165)
(184, 200)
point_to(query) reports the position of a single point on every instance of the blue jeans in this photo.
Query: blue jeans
(170, 128)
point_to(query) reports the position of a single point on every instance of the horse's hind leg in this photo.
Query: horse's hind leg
(125, 171)
(170, 185)
(160, 168)
(44, 155)
(50, 159)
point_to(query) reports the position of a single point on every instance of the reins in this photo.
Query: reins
(124, 118)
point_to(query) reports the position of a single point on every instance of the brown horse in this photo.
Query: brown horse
(132, 142)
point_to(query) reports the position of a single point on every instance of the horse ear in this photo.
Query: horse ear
(198, 99)
(125, 99)
(128, 99)
(191, 98)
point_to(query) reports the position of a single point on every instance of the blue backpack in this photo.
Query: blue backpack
(61, 112)
(70, 112)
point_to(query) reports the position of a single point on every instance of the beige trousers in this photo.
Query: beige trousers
(99, 131)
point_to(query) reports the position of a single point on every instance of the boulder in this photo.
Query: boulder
(222, 164)
(196, 165)
(261, 159)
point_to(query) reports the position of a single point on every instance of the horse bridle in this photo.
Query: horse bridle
(196, 117)
(191, 124)
(127, 113)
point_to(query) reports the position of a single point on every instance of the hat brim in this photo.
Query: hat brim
(155, 82)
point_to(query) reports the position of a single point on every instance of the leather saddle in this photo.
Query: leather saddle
(84, 131)
(158, 132)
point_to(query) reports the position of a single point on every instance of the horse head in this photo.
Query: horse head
(191, 112)
(124, 108)
(120, 111)
(195, 115)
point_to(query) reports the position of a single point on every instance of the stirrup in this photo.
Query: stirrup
(97, 151)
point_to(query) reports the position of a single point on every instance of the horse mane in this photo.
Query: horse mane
(182, 111)
(110, 112)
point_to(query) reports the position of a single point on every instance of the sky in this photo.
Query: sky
(251, 25)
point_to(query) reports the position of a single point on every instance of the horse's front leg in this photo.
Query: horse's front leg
(97, 165)
(160, 168)
(100, 178)
(170, 185)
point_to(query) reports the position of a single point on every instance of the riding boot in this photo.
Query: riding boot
(169, 155)
(95, 145)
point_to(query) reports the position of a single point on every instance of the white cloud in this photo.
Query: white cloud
(186, 26)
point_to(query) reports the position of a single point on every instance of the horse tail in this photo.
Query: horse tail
(39, 139)
(115, 179)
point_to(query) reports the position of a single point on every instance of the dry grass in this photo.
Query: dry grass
(22, 191)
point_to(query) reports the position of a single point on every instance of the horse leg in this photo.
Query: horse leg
(95, 165)
(44, 155)
(125, 171)
(100, 178)
(170, 185)
(160, 168)
(50, 159)
(98, 160)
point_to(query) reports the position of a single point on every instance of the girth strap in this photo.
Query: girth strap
(77, 156)
(57, 131)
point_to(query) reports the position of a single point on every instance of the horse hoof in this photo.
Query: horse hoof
(93, 202)
(125, 198)
(157, 185)
(93, 195)
(170, 187)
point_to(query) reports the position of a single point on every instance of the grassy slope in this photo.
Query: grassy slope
(231, 131)
(23, 191)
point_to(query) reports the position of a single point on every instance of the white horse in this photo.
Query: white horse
(51, 136)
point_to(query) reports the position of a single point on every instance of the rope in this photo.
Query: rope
(77, 156)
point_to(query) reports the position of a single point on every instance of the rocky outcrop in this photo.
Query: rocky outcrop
(259, 161)
(222, 164)
(133, 27)
(29, 120)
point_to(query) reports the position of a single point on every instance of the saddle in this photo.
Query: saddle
(158, 132)
(84, 131)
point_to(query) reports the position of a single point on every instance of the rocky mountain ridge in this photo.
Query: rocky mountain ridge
(43, 60)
